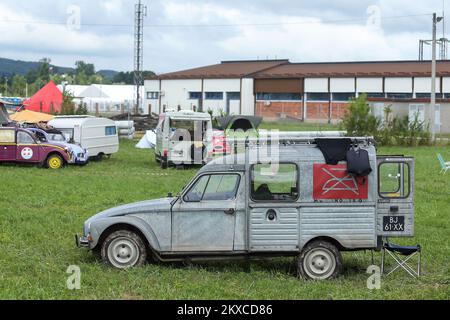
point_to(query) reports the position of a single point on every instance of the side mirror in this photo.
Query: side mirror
(170, 195)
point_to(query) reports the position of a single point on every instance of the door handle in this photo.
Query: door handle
(230, 211)
(393, 209)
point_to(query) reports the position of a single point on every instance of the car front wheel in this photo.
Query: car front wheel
(55, 161)
(320, 260)
(124, 249)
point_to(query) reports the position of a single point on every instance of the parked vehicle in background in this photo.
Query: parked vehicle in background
(183, 137)
(251, 207)
(238, 127)
(98, 136)
(233, 128)
(80, 156)
(20, 145)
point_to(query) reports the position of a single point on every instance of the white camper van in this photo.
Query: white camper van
(98, 135)
(183, 137)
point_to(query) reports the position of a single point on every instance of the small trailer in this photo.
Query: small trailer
(303, 197)
(99, 136)
(183, 137)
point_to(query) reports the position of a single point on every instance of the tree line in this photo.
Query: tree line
(83, 74)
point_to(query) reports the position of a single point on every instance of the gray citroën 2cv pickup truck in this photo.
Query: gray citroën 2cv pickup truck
(242, 206)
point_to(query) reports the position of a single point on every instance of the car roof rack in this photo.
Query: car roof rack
(305, 138)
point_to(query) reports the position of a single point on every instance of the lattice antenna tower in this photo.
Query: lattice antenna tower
(140, 14)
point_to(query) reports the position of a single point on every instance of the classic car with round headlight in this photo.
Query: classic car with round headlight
(21, 146)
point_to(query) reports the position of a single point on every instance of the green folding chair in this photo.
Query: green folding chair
(445, 166)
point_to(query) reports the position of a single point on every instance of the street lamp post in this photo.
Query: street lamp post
(433, 80)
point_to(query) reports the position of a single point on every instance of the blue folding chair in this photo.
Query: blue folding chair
(445, 166)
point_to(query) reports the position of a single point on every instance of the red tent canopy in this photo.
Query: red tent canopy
(48, 100)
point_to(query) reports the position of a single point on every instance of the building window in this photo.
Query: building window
(373, 94)
(233, 95)
(399, 95)
(195, 95)
(213, 95)
(279, 96)
(319, 96)
(110, 131)
(343, 96)
(422, 95)
(153, 95)
(274, 185)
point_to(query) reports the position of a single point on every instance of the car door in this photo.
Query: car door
(27, 148)
(274, 212)
(204, 218)
(7, 145)
(395, 207)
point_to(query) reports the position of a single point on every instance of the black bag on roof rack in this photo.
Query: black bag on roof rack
(358, 163)
(334, 150)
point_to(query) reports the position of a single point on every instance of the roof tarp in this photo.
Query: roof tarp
(49, 99)
(239, 122)
(148, 141)
(31, 117)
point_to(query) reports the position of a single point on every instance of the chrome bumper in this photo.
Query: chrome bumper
(81, 242)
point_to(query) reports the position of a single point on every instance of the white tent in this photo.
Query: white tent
(148, 141)
(108, 98)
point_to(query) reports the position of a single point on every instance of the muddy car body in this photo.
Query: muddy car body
(237, 206)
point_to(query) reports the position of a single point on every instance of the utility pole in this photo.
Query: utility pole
(433, 80)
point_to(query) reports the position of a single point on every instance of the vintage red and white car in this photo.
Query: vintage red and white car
(21, 146)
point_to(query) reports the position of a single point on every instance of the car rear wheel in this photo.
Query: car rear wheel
(320, 260)
(55, 161)
(124, 249)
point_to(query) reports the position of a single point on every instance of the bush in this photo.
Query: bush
(359, 121)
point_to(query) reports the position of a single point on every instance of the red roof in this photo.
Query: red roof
(283, 69)
(226, 69)
(48, 100)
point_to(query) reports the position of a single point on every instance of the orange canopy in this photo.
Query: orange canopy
(31, 117)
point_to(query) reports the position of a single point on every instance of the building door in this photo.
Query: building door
(233, 102)
(204, 218)
(437, 117)
(416, 111)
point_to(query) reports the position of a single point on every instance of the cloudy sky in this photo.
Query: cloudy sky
(180, 34)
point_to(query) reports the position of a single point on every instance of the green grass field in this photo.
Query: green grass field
(41, 210)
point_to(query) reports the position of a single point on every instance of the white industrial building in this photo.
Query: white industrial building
(312, 92)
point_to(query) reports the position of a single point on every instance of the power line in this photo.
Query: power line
(212, 25)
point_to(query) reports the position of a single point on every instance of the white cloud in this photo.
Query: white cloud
(174, 48)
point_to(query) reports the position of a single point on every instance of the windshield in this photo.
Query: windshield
(67, 133)
(56, 137)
